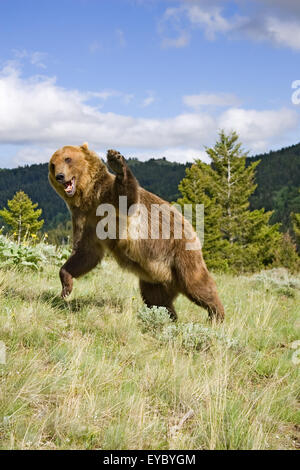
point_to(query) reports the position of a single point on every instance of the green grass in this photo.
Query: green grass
(86, 374)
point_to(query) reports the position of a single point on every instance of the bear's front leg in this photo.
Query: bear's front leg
(79, 263)
(66, 282)
(125, 182)
(116, 162)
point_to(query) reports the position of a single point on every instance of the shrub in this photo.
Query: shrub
(153, 319)
(278, 280)
(188, 336)
(30, 256)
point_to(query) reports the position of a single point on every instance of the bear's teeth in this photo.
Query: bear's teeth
(69, 186)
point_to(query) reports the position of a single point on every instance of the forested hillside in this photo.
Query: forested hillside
(33, 180)
(278, 179)
(159, 176)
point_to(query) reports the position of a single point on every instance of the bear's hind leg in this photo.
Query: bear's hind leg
(199, 286)
(159, 295)
(208, 300)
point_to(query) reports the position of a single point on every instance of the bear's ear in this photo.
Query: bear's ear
(85, 146)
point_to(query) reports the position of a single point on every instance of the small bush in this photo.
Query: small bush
(153, 319)
(277, 280)
(188, 336)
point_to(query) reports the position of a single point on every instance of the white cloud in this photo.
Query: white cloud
(190, 15)
(37, 110)
(35, 58)
(181, 41)
(106, 94)
(285, 33)
(170, 23)
(177, 154)
(291, 7)
(274, 21)
(29, 154)
(209, 18)
(258, 128)
(40, 116)
(210, 99)
(183, 155)
(149, 99)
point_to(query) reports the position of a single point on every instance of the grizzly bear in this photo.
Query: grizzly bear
(163, 264)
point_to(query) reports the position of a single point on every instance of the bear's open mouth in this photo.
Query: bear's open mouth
(70, 187)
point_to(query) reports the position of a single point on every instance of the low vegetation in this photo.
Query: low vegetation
(101, 371)
(26, 254)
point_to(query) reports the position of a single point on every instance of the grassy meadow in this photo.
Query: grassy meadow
(89, 374)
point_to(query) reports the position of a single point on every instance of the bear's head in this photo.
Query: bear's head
(73, 172)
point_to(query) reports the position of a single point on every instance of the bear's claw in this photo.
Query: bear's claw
(115, 161)
(65, 292)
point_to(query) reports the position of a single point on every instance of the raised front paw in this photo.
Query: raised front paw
(116, 161)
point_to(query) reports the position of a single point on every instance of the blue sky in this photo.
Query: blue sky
(151, 78)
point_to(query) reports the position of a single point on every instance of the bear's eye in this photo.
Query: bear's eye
(68, 160)
(52, 166)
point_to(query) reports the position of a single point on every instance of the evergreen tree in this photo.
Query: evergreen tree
(286, 254)
(245, 238)
(22, 216)
(296, 227)
(231, 184)
(193, 190)
(295, 217)
(252, 241)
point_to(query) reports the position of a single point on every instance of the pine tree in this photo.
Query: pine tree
(286, 254)
(193, 189)
(231, 183)
(295, 217)
(296, 226)
(242, 237)
(252, 241)
(22, 216)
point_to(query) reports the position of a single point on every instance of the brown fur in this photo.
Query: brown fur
(164, 266)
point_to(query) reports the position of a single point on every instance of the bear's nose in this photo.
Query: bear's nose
(60, 177)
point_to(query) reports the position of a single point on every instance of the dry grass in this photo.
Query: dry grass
(82, 374)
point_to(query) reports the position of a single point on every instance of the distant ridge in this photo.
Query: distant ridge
(278, 179)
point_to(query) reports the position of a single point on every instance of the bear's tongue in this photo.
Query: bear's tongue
(69, 186)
